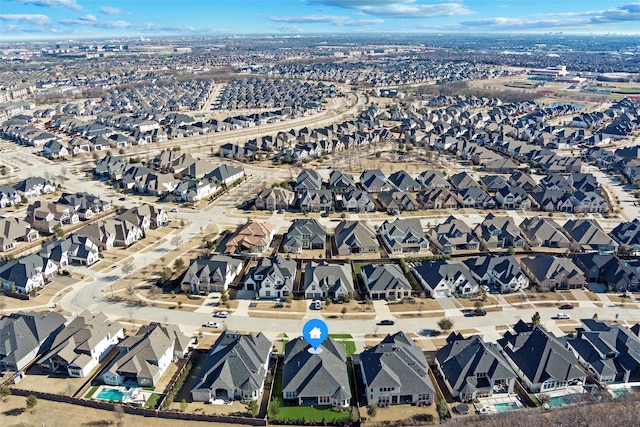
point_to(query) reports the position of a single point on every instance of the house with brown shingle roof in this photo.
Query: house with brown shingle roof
(251, 237)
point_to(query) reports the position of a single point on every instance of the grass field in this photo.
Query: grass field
(308, 413)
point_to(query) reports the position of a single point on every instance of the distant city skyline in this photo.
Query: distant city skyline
(68, 19)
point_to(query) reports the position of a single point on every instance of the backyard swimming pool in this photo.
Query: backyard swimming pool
(112, 394)
(506, 406)
(556, 401)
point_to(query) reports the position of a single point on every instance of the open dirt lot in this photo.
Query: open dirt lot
(423, 305)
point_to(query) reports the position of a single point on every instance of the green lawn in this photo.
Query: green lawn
(311, 413)
(347, 341)
(91, 392)
(357, 268)
(153, 401)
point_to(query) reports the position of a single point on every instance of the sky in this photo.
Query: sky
(68, 19)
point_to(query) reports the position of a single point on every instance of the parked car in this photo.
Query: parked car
(479, 312)
(566, 307)
(212, 325)
(386, 322)
(222, 314)
(316, 305)
(173, 210)
(562, 316)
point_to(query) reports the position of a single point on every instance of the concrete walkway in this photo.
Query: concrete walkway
(382, 310)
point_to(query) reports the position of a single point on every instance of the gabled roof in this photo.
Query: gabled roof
(23, 332)
(317, 374)
(544, 231)
(539, 355)
(503, 268)
(465, 362)
(434, 272)
(397, 362)
(384, 277)
(587, 232)
(237, 361)
(354, 234)
(328, 277)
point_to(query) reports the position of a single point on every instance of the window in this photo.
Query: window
(324, 399)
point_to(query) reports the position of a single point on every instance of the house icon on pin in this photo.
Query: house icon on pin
(315, 333)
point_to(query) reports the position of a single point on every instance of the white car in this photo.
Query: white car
(562, 316)
(317, 305)
(212, 325)
(222, 314)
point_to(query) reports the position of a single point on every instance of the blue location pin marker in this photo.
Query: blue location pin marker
(315, 331)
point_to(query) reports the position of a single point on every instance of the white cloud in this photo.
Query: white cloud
(325, 19)
(400, 8)
(26, 18)
(70, 4)
(109, 10)
(88, 17)
(96, 23)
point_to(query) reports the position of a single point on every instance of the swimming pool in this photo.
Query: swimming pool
(556, 401)
(111, 394)
(620, 392)
(506, 406)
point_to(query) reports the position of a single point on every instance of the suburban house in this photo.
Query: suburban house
(513, 198)
(85, 205)
(453, 236)
(385, 281)
(545, 232)
(225, 174)
(499, 233)
(46, 217)
(273, 199)
(316, 201)
(25, 335)
(235, 368)
(304, 234)
(143, 358)
(272, 278)
(33, 187)
(251, 237)
(99, 234)
(403, 236)
(616, 274)
(402, 181)
(193, 190)
(503, 272)
(74, 249)
(437, 198)
(13, 230)
(213, 274)
(82, 344)
(355, 237)
(395, 202)
(374, 181)
(26, 273)
(610, 352)
(316, 379)
(308, 179)
(433, 179)
(325, 280)
(628, 234)
(550, 273)
(539, 359)
(8, 196)
(472, 368)
(357, 201)
(442, 279)
(396, 372)
(340, 182)
(589, 236)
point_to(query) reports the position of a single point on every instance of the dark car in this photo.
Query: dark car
(566, 307)
(386, 322)
(479, 312)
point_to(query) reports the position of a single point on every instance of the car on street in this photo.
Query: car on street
(316, 305)
(222, 314)
(122, 199)
(212, 325)
(386, 322)
(479, 312)
(173, 210)
(485, 288)
(566, 307)
(562, 316)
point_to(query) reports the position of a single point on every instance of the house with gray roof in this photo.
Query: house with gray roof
(13, 230)
(402, 181)
(433, 179)
(26, 273)
(225, 174)
(453, 236)
(385, 281)
(341, 182)
(610, 352)
(539, 231)
(463, 180)
(443, 278)
(475, 197)
(8, 196)
(273, 199)
(589, 236)
(355, 237)
(549, 272)
(85, 205)
(308, 179)
(25, 335)
(403, 236)
(34, 186)
(374, 181)
(213, 274)
(357, 201)
(396, 372)
(472, 368)
(628, 233)
(235, 368)
(304, 234)
(316, 378)
(499, 233)
(316, 201)
(144, 357)
(323, 280)
(503, 272)
(75, 248)
(272, 278)
(616, 274)
(539, 359)
(81, 345)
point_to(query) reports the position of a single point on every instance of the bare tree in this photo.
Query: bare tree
(127, 268)
(118, 411)
(176, 241)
